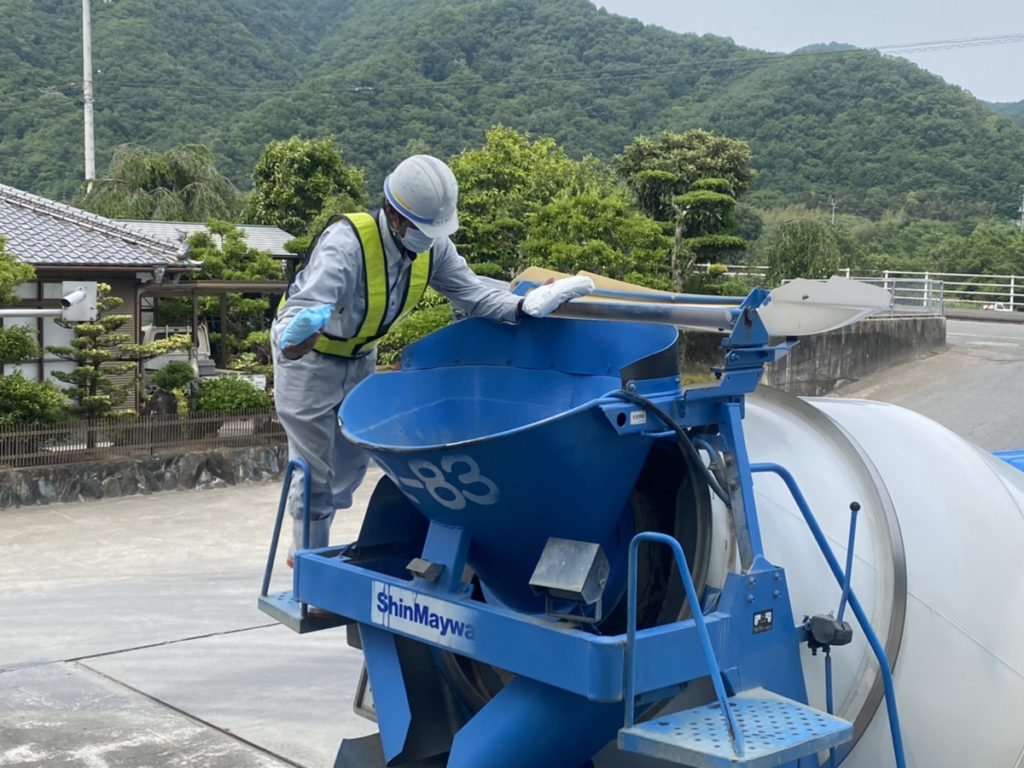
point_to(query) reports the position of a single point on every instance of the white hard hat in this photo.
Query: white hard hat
(423, 189)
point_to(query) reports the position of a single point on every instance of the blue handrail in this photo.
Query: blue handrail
(847, 580)
(702, 632)
(854, 509)
(282, 505)
(855, 606)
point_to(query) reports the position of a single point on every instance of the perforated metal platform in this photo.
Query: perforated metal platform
(775, 730)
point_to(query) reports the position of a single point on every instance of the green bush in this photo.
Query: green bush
(17, 342)
(433, 312)
(227, 394)
(175, 375)
(24, 402)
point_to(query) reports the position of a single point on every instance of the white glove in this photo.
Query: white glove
(545, 299)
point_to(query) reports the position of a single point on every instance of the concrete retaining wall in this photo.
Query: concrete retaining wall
(819, 364)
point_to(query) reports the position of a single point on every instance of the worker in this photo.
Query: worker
(364, 272)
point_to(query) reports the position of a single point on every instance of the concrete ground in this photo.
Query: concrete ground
(130, 638)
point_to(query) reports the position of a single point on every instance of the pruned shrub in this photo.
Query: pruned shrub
(175, 375)
(229, 394)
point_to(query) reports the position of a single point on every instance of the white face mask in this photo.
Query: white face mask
(416, 241)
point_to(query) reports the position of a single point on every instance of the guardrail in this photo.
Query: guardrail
(912, 293)
(966, 291)
(927, 293)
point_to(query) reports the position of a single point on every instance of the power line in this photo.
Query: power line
(963, 42)
(739, 62)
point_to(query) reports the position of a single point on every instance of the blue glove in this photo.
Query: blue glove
(307, 322)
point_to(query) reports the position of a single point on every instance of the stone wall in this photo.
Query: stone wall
(33, 486)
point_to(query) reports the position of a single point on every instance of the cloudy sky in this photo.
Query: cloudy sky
(976, 44)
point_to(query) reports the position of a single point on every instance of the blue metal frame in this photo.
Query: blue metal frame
(589, 665)
(640, 665)
(702, 632)
(285, 607)
(293, 464)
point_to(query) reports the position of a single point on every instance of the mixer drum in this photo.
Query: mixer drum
(939, 538)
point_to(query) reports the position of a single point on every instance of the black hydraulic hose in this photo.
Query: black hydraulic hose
(684, 441)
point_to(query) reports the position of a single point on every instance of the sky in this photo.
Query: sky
(976, 44)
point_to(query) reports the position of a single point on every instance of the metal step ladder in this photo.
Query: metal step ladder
(776, 730)
(755, 728)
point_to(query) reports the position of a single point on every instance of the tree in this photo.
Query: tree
(300, 183)
(659, 171)
(28, 403)
(875, 131)
(226, 256)
(802, 248)
(16, 342)
(599, 233)
(12, 272)
(99, 352)
(503, 185)
(705, 217)
(22, 401)
(182, 184)
(689, 182)
(994, 247)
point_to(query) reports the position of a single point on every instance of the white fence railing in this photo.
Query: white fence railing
(930, 292)
(965, 291)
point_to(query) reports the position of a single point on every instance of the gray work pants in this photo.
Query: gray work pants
(307, 394)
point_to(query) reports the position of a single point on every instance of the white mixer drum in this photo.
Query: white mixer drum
(939, 538)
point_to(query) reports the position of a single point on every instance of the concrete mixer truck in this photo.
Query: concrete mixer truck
(573, 560)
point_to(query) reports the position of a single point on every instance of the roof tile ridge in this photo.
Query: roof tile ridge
(86, 219)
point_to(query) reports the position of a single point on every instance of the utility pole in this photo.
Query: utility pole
(90, 149)
(1020, 223)
(834, 206)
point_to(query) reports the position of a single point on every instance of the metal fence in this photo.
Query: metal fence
(118, 438)
(913, 293)
(965, 291)
(910, 295)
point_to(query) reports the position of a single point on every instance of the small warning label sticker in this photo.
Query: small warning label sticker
(763, 621)
(637, 418)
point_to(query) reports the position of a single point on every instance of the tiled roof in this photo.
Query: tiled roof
(258, 236)
(43, 232)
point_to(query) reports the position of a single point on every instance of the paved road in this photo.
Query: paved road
(131, 639)
(130, 636)
(973, 387)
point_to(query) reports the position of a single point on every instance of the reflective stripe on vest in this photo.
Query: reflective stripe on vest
(377, 291)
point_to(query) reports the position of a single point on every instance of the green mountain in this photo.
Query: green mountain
(389, 77)
(1011, 109)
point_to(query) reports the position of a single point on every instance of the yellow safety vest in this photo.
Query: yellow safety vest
(377, 294)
